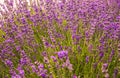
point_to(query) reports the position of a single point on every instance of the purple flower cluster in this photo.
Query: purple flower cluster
(62, 54)
(60, 38)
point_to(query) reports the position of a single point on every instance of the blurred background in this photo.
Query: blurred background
(1, 1)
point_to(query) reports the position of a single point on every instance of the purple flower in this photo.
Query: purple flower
(43, 75)
(46, 60)
(44, 54)
(10, 40)
(104, 68)
(34, 69)
(77, 37)
(24, 60)
(101, 54)
(87, 59)
(105, 65)
(17, 48)
(112, 52)
(27, 13)
(23, 20)
(62, 54)
(21, 72)
(16, 76)
(40, 66)
(9, 63)
(54, 58)
(74, 76)
(115, 73)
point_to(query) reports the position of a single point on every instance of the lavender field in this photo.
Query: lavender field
(60, 39)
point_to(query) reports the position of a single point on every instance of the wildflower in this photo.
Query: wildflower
(54, 58)
(74, 76)
(21, 71)
(104, 68)
(23, 20)
(9, 63)
(62, 54)
(101, 54)
(46, 60)
(87, 59)
(68, 64)
(115, 73)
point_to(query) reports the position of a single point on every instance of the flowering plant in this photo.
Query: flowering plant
(60, 39)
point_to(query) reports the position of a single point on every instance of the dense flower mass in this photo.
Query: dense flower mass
(60, 39)
(62, 54)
